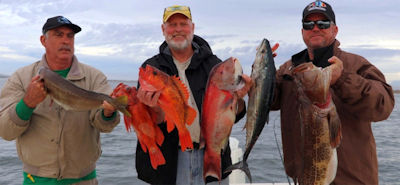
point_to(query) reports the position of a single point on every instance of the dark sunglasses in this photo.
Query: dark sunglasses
(309, 25)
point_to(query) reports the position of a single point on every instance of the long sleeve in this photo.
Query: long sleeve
(363, 87)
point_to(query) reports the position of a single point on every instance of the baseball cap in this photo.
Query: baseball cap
(169, 11)
(58, 21)
(319, 7)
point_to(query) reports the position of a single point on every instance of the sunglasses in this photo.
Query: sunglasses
(309, 25)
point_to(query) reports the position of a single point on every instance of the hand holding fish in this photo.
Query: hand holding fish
(108, 109)
(35, 92)
(337, 68)
(245, 89)
(150, 98)
(273, 49)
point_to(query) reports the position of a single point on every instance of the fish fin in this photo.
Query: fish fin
(170, 123)
(212, 165)
(121, 103)
(335, 128)
(191, 115)
(156, 157)
(128, 123)
(159, 135)
(181, 87)
(185, 139)
(142, 144)
(241, 165)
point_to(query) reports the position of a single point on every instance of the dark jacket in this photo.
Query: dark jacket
(361, 96)
(203, 60)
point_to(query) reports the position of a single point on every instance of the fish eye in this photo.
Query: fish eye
(154, 72)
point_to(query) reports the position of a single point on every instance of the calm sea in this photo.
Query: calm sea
(117, 165)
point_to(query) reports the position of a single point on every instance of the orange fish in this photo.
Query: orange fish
(143, 121)
(173, 101)
(219, 113)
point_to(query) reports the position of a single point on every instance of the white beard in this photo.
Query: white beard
(179, 45)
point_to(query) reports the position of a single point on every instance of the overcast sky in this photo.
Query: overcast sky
(118, 35)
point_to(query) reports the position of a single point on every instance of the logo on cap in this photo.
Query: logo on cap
(63, 20)
(318, 5)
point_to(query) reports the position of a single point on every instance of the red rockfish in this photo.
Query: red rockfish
(173, 101)
(219, 113)
(143, 121)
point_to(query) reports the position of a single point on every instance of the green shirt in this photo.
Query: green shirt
(53, 181)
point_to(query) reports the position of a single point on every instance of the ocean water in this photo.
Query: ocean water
(116, 165)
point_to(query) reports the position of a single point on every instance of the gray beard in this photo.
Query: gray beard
(181, 45)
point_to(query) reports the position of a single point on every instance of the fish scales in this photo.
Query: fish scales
(320, 125)
(260, 99)
(219, 113)
(72, 97)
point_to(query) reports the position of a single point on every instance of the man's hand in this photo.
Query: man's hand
(150, 98)
(108, 109)
(337, 68)
(35, 92)
(274, 48)
(244, 90)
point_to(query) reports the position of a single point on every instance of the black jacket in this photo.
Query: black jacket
(203, 60)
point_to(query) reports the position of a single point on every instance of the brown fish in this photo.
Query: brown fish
(320, 125)
(72, 97)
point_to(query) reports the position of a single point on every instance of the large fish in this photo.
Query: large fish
(143, 121)
(320, 125)
(173, 101)
(260, 99)
(219, 113)
(72, 97)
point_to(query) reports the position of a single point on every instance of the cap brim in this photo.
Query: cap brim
(317, 11)
(176, 12)
(74, 27)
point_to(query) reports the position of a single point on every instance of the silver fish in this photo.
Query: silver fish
(260, 99)
(72, 97)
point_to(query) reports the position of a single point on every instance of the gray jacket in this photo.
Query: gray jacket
(55, 143)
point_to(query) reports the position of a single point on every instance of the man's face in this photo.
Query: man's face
(59, 43)
(178, 32)
(316, 37)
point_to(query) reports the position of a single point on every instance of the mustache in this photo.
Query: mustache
(65, 47)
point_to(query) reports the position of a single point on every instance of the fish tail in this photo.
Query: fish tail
(242, 165)
(156, 157)
(121, 103)
(142, 144)
(212, 165)
(185, 139)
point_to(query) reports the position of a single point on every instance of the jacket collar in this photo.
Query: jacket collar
(74, 73)
(321, 56)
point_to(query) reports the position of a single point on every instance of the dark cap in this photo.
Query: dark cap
(58, 21)
(319, 7)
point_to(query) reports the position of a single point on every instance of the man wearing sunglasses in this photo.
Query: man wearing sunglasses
(359, 91)
(190, 57)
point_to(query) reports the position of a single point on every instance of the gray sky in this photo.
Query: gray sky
(118, 35)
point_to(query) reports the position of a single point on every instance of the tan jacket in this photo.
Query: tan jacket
(55, 142)
(361, 96)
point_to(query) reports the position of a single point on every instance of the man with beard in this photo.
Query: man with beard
(190, 57)
(55, 145)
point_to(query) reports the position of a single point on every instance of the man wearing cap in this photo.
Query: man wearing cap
(359, 91)
(56, 146)
(190, 57)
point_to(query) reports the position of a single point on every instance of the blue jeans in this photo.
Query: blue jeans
(190, 169)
